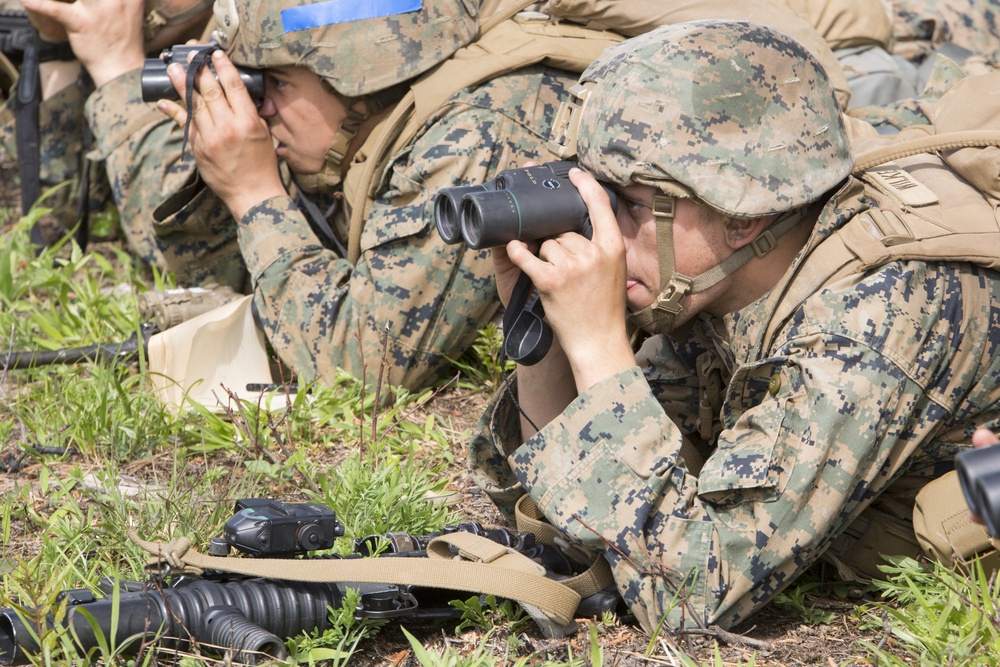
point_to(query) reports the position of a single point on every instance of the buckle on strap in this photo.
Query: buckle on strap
(763, 244)
(671, 297)
(562, 136)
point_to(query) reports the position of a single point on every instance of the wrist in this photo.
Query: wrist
(240, 203)
(593, 363)
(57, 75)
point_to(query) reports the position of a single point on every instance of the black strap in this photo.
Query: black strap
(83, 201)
(27, 99)
(320, 223)
(201, 58)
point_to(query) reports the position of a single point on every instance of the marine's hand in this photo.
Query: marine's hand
(106, 35)
(582, 285)
(230, 141)
(48, 28)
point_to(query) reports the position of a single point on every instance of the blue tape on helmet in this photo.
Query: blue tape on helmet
(331, 12)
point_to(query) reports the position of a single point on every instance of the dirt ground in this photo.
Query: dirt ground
(774, 637)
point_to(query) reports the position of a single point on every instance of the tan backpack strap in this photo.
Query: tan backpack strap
(854, 246)
(929, 144)
(493, 570)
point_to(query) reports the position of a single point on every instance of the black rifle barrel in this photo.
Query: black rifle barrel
(250, 617)
(126, 351)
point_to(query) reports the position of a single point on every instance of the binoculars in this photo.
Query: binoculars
(156, 85)
(525, 204)
(979, 475)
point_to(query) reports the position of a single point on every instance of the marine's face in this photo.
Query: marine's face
(302, 115)
(699, 245)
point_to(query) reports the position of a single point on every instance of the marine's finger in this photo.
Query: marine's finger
(64, 12)
(232, 84)
(175, 110)
(602, 216)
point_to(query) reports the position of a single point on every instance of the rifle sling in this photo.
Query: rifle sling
(496, 570)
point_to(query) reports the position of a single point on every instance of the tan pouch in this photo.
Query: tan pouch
(944, 528)
(845, 23)
(973, 104)
(200, 359)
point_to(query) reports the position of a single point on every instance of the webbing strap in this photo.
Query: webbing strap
(507, 574)
(929, 144)
(530, 519)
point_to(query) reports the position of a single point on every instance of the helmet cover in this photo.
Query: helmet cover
(737, 114)
(357, 47)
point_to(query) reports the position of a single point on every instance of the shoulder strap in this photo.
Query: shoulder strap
(912, 228)
(505, 46)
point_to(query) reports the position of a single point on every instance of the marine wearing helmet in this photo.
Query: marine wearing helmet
(795, 383)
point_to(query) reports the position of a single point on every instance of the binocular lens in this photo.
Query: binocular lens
(500, 209)
(447, 207)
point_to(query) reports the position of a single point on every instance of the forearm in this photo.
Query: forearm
(192, 235)
(544, 390)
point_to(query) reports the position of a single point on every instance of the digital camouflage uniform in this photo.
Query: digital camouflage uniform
(922, 26)
(872, 377)
(428, 298)
(136, 152)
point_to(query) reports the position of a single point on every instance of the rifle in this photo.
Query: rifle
(16, 32)
(250, 617)
(160, 310)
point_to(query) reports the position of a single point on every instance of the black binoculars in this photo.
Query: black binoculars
(156, 85)
(979, 476)
(525, 204)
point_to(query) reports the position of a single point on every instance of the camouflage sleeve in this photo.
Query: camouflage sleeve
(428, 298)
(141, 148)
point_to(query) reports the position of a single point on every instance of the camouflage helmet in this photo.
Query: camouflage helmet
(737, 114)
(358, 48)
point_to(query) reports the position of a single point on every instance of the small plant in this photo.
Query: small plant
(486, 613)
(482, 361)
(939, 615)
(793, 603)
(340, 641)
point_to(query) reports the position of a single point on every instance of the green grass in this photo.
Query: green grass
(83, 438)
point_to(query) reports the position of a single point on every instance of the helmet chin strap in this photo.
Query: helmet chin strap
(660, 317)
(331, 174)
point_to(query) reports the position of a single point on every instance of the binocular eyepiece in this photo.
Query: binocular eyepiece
(979, 476)
(526, 204)
(156, 85)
